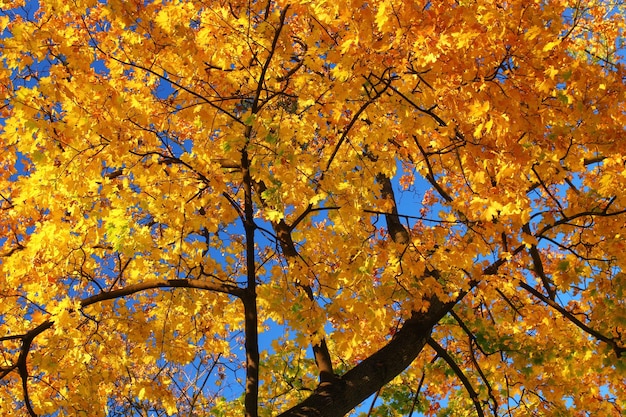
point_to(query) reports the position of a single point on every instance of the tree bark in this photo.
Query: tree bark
(337, 398)
(396, 230)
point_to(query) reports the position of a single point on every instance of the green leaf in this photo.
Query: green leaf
(249, 120)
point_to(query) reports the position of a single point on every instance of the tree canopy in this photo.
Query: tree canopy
(286, 207)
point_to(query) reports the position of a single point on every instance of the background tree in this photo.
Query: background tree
(429, 195)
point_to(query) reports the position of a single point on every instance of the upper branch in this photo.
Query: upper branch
(619, 350)
(255, 104)
(355, 117)
(170, 283)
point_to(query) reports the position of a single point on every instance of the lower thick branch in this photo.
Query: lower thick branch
(337, 398)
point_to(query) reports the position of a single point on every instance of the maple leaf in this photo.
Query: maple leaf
(263, 208)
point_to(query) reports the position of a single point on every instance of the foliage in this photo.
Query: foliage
(430, 195)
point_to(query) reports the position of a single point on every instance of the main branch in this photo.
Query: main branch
(337, 398)
(249, 299)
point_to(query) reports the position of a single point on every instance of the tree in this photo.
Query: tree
(284, 208)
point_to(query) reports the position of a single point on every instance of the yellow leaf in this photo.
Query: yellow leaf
(273, 215)
(550, 45)
(382, 15)
(4, 22)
